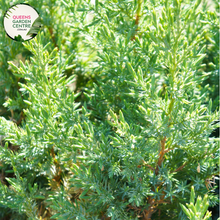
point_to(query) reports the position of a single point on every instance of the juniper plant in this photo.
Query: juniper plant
(197, 211)
(131, 141)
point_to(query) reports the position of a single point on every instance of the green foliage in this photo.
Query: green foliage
(211, 60)
(199, 210)
(107, 111)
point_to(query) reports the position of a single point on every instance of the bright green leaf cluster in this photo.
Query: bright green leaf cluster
(199, 210)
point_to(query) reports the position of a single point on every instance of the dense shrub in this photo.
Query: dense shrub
(108, 114)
